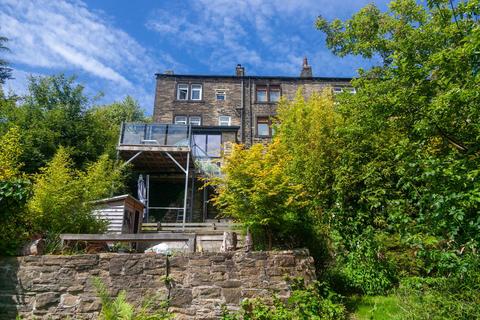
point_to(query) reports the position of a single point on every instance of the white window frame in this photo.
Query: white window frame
(197, 123)
(199, 89)
(221, 92)
(177, 120)
(182, 86)
(222, 122)
(337, 90)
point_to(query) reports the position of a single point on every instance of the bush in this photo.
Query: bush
(365, 269)
(316, 301)
(62, 196)
(15, 188)
(441, 297)
(117, 308)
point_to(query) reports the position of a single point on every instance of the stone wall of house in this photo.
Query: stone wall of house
(167, 106)
(57, 287)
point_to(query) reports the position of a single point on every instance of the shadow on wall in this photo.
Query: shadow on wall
(10, 289)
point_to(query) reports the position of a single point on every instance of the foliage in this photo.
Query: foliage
(14, 191)
(454, 297)
(11, 152)
(409, 141)
(108, 119)
(254, 179)
(119, 309)
(365, 271)
(62, 195)
(376, 307)
(55, 112)
(5, 71)
(315, 301)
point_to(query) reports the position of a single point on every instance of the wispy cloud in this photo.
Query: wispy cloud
(61, 36)
(57, 34)
(268, 36)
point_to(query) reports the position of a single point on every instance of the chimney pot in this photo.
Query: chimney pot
(306, 69)
(240, 71)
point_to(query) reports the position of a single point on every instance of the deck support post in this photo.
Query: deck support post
(186, 192)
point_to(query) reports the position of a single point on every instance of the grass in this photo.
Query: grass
(374, 307)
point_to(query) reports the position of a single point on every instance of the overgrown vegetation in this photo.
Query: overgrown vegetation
(316, 302)
(57, 157)
(117, 308)
(389, 176)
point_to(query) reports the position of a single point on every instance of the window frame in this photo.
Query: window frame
(229, 121)
(275, 88)
(180, 84)
(265, 120)
(268, 88)
(219, 91)
(339, 89)
(194, 116)
(180, 116)
(261, 88)
(200, 97)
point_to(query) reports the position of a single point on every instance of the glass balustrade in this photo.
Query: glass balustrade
(174, 135)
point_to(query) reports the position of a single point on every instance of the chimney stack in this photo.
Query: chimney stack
(240, 71)
(306, 69)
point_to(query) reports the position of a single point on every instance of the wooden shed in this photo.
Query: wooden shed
(124, 213)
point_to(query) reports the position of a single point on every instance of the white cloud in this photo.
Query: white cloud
(59, 36)
(269, 36)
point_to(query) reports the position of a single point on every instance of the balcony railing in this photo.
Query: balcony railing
(171, 135)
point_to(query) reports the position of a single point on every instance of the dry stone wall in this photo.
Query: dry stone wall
(199, 284)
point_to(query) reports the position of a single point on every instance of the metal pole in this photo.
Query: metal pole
(192, 197)
(148, 198)
(186, 191)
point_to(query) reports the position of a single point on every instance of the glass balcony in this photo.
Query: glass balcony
(171, 135)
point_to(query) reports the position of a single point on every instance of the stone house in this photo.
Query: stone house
(197, 118)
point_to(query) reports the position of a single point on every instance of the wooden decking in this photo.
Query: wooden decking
(196, 227)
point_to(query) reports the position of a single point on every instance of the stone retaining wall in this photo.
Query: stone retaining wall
(55, 287)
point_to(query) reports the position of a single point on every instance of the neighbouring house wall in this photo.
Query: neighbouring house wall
(55, 287)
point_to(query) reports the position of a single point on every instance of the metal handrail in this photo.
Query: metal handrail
(171, 135)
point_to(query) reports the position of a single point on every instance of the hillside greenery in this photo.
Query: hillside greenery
(58, 155)
(388, 178)
(383, 186)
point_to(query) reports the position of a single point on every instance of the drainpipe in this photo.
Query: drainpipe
(251, 112)
(242, 125)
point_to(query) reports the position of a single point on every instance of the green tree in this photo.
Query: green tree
(14, 192)
(52, 114)
(62, 196)
(410, 140)
(5, 70)
(56, 112)
(254, 180)
(108, 119)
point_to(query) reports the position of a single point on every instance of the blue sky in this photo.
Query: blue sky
(116, 46)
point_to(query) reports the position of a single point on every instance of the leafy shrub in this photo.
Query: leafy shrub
(315, 301)
(15, 188)
(62, 195)
(254, 180)
(117, 308)
(453, 297)
(365, 269)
